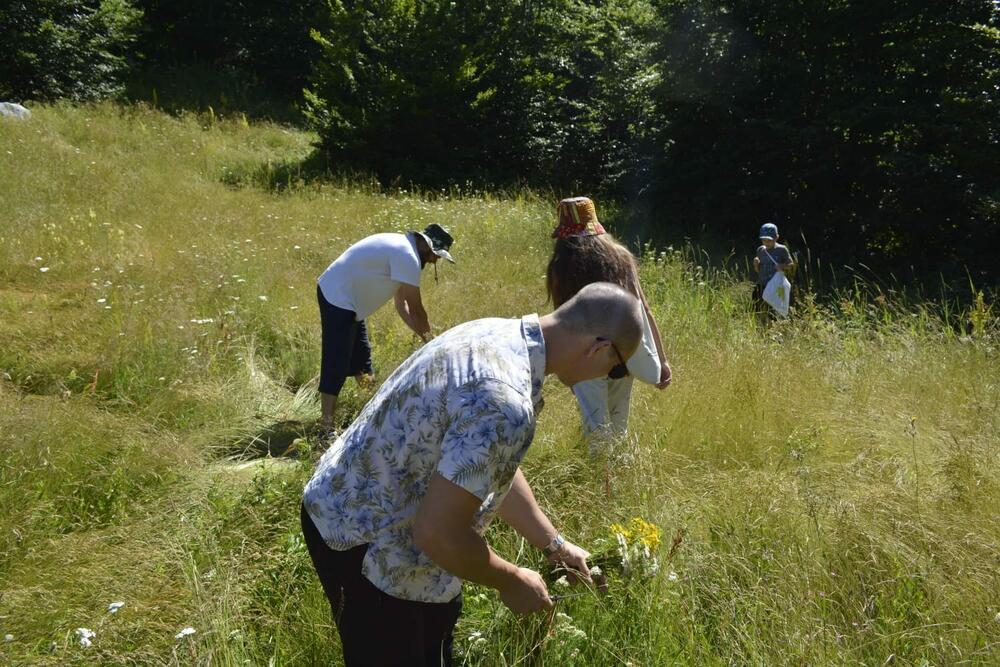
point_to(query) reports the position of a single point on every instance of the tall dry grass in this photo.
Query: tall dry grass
(832, 480)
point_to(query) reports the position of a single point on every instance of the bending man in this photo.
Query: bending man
(355, 285)
(394, 515)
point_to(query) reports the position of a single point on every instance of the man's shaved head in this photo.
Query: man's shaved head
(604, 310)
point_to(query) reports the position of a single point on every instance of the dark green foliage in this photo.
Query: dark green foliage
(73, 49)
(440, 92)
(868, 130)
(255, 48)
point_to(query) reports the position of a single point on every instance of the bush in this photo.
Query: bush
(440, 92)
(65, 48)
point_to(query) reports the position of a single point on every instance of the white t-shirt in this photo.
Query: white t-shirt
(368, 273)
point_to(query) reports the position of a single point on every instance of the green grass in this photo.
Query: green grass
(833, 480)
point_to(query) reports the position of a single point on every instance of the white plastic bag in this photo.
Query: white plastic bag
(778, 293)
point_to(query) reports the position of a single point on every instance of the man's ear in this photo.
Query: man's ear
(596, 346)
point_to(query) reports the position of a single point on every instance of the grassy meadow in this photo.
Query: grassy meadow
(828, 487)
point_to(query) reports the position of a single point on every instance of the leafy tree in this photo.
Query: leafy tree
(268, 42)
(436, 91)
(869, 129)
(73, 49)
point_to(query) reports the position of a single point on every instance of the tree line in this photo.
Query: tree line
(866, 130)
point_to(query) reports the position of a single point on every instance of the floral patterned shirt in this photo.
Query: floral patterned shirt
(463, 406)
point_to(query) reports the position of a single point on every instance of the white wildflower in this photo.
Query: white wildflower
(102, 300)
(115, 606)
(562, 582)
(596, 571)
(186, 632)
(85, 635)
(8, 637)
(672, 576)
(262, 297)
(44, 269)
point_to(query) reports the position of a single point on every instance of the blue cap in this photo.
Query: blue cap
(768, 231)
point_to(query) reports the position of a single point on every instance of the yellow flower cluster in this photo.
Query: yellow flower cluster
(639, 529)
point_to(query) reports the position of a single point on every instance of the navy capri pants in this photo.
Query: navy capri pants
(345, 350)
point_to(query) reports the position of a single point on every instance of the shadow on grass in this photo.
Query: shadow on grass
(283, 439)
(286, 439)
(289, 175)
(227, 91)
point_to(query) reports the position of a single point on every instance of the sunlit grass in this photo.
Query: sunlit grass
(833, 480)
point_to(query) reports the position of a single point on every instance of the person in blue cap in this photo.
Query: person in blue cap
(771, 257)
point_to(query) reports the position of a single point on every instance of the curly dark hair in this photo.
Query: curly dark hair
(580, 260)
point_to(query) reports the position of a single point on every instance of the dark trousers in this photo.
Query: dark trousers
(345, 350)
(376, 628)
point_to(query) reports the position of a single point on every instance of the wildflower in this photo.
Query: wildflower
(262, 297)
(647, 533)
(596, 571)
(672, 576)
(561, 582)
(115, 606)
(102, 300)
(186, 632)
(85, 635)
(44, 269)
(8, 637)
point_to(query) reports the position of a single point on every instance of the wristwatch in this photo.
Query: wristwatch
(554, 546)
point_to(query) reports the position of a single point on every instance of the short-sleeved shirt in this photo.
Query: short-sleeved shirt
(463, 406)
(768, 258)
(368, 273)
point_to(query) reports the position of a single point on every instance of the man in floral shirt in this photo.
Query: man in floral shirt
(395, 512)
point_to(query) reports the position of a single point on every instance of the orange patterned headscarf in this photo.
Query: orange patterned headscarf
(577, 217)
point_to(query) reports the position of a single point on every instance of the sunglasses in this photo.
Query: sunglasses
(620, 370)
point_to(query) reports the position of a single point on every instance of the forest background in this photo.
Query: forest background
(868, 131)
